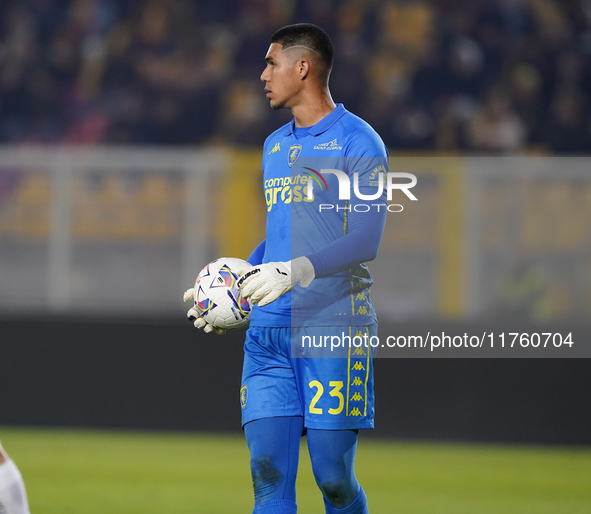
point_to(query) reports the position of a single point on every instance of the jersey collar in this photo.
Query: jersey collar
(324, 124)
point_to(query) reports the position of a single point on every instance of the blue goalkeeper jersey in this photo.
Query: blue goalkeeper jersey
(308, 214)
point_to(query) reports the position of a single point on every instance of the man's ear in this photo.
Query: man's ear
(303, 68)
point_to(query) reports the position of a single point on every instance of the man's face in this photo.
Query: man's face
(281, 76)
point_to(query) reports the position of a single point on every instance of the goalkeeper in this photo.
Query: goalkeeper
(307, 279)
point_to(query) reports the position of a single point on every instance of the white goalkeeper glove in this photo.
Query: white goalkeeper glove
(265, 283)
(195, 317)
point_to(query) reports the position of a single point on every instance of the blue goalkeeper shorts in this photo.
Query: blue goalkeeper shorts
(285, 373)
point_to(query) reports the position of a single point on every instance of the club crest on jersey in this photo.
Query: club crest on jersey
(293, 154)
(243, 396)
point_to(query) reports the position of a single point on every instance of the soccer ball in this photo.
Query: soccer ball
(216, 298)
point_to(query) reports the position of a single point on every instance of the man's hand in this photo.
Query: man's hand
(265, 283)
(195, 317)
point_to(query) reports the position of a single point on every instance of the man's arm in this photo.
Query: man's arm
(360, 244)
(364, 230)
(256, 257)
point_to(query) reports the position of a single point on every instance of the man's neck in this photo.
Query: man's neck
(312, 109)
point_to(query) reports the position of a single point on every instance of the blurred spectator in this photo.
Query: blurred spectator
(567, 131)
(526, 91)
(187, 71)
(496, 128)
(244, 113)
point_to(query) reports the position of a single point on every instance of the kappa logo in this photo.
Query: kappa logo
(331, 145)
(276, 148)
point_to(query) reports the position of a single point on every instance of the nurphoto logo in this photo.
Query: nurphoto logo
(345, 189)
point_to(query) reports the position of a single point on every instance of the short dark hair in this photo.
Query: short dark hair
(310, 36)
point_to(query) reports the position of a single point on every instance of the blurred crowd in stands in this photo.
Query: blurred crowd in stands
(492, 76)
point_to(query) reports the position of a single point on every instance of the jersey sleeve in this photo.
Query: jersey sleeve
(366, 158)
(256, 257)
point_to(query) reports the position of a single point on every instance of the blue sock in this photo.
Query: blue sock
(276, 507)
(359, 506)
(274, 445)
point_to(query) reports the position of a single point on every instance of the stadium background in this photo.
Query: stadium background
(130, 137)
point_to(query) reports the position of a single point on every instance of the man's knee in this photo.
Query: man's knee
(339, 493)
(266, 478)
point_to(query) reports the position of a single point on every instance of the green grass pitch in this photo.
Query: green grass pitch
(125, 472)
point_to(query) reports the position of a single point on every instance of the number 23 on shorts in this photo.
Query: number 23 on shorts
(336, 385)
